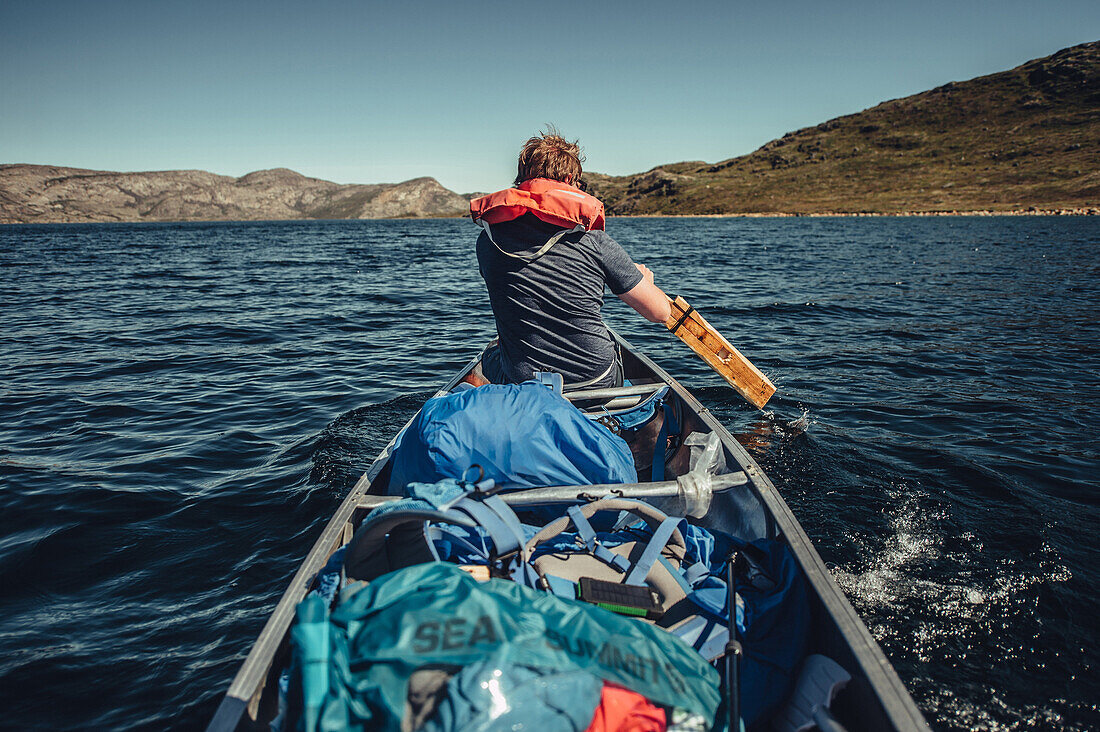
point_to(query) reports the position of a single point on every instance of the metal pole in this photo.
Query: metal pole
(574, 493)
(613, 391)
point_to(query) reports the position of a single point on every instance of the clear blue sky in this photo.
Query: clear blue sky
(370, 92)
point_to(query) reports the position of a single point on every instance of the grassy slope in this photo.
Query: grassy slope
(1029, 137)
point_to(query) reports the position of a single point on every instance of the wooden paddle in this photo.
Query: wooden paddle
(693, 329)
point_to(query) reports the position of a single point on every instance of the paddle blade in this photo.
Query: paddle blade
(693, 329)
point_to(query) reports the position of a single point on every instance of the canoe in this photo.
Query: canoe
(874, 698)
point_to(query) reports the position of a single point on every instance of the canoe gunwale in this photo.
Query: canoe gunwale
(243, 697)
(877, 669)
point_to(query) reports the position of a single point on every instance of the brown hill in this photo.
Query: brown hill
(1029, 137)
(48, 194)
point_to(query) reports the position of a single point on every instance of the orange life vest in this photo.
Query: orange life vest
(552, 201)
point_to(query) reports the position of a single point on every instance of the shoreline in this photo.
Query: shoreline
(1031, 211)
(1078, 211)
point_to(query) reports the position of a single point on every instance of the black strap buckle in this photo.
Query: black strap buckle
(687, 313)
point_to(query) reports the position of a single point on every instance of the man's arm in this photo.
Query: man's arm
(647, 298)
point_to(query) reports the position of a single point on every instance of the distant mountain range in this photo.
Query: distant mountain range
(1028, 138)
(42, 193)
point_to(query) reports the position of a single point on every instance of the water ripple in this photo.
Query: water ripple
(185, 405)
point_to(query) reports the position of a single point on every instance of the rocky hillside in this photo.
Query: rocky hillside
(1029, 137)
(1017, 140)
(42, 193)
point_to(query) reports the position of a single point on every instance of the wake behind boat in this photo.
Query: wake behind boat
(693, 523)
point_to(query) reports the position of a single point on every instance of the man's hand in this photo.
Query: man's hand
(647, 274)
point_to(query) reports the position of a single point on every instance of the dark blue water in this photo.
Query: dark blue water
(184, 406)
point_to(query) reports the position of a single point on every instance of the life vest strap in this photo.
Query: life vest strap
(527, 259)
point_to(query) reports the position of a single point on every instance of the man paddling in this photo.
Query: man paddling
(546, 259)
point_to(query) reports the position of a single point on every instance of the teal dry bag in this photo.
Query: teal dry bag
(436, 616)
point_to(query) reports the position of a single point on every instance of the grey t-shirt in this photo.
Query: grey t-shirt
(548, 311)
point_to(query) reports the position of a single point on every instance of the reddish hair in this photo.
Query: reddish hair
(549, 155)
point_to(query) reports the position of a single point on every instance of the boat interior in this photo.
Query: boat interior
(688, 465)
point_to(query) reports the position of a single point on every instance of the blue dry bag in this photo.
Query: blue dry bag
(520, 435)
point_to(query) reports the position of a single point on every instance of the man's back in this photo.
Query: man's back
(548, 310)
